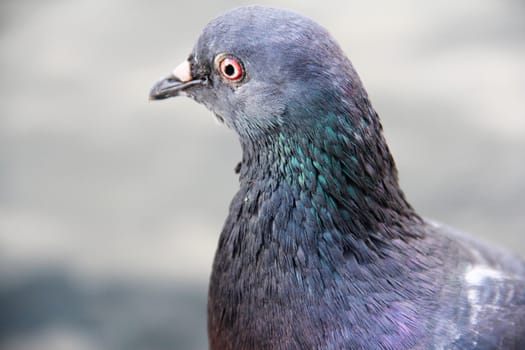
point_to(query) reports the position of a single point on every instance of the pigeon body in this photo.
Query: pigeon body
(320, 249)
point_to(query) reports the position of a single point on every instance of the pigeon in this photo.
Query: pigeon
(321, 249)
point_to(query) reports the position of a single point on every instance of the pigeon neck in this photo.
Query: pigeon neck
(334, 163)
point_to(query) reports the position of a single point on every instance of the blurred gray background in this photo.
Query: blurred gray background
(111, 206)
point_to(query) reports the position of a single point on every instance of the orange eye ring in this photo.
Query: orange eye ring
(231, 69)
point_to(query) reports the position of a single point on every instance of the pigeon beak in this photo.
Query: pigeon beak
(175, 83)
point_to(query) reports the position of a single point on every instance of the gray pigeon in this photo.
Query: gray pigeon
(320, 249)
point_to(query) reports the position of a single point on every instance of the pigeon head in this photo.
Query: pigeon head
(262, 70)
(285, 86)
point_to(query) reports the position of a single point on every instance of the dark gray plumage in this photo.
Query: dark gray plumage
(320, 249)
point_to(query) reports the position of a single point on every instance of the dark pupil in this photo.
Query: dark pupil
(229, 70)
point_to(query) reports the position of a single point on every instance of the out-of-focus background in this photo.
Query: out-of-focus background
(111, 206)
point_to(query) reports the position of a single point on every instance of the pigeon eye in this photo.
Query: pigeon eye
(231, 69)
